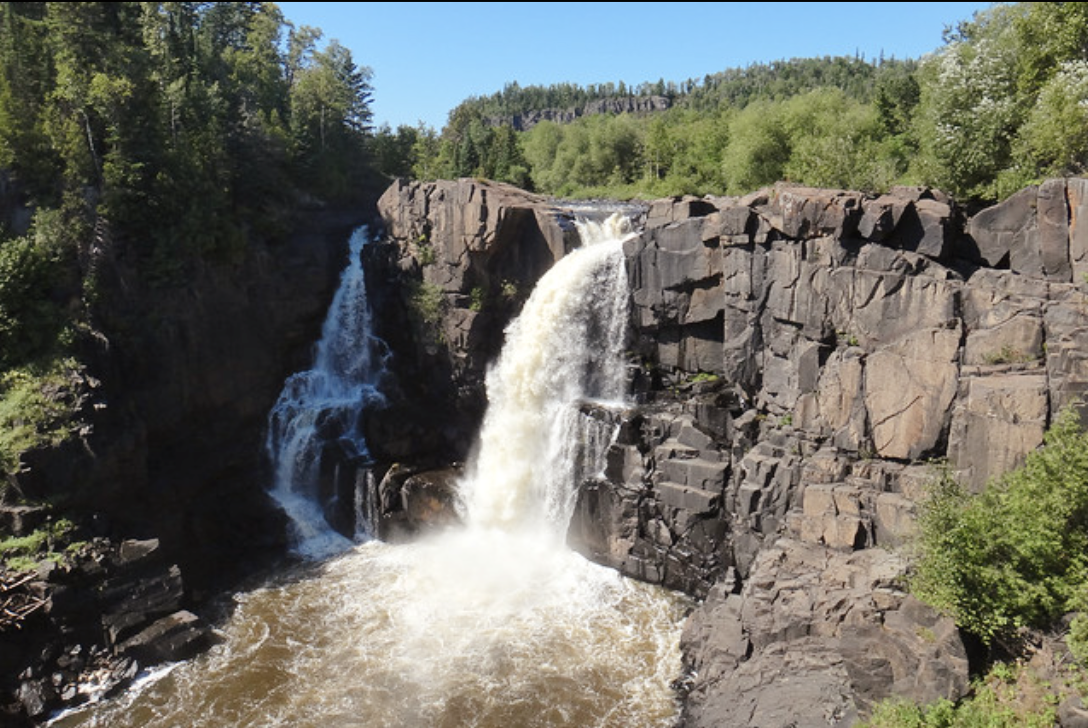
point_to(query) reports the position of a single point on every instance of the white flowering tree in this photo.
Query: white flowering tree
(1055, 136)
(969, 114)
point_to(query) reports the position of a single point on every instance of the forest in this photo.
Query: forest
(1001, 104)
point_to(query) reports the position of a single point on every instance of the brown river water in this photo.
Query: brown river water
(477, 629)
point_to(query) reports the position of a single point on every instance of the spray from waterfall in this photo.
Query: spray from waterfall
(565, 348)
(317, 416)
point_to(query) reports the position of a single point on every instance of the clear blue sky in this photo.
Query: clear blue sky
(426, 58)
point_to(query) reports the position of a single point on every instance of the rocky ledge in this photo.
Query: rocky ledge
(85, 626)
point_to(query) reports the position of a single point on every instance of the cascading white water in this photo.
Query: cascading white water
(565, 347)
(493, 625)
(321, 408)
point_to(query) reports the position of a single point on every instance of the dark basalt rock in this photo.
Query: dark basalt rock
(798, 355)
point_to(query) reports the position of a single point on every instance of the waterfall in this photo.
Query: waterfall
(564, 348)
(493, 625)
(317, 415)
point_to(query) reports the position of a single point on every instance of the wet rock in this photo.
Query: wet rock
(178, 636)
(412, 502)
(37, 698)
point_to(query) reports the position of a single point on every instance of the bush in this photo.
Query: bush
(23, 553)
(38, 406)
(1014, 555)
(1010, 696)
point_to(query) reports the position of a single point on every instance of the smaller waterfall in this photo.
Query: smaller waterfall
(317, 416)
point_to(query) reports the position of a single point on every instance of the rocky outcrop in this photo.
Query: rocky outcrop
(461, 258)
(85, 627)
(815, 637)
(613, 106)
(800, 357)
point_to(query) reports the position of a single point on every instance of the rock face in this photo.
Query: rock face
(617, 105)
(185, 374)
(460, 259)
(90, 625)
(814, 638)
(802, 355)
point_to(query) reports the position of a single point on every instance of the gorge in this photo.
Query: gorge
(792, 361)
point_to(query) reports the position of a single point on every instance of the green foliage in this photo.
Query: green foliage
(394, 153)
(832, 141)
(477, 298)
(182, 124)
(426, 254)
(759, 147)
(426, 304)
(733, 88)
(1000, 102)
(472, 148)
(1016, 554)
(23, 553)
(37, 277)
(1009, 696)
(968, 113)
(1007, 355)
(39, 405)
(1077, 638)
(1054, 138)
(330, 118)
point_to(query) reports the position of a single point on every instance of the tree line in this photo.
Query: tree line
(1002, 104)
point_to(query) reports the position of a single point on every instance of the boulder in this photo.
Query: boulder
(175, 637)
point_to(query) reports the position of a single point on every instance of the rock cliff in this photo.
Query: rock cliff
(798, 358)
(167, 478)
(186, 372)
(616, 105)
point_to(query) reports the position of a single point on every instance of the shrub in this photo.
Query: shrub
(22, 553)
(1014, 555)
(1010, 696)
(38, 406)
(426, 305)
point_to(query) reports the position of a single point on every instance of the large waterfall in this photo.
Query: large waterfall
(565, 347)
(493, 625)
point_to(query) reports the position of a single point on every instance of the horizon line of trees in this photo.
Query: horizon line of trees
(1001, 105)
